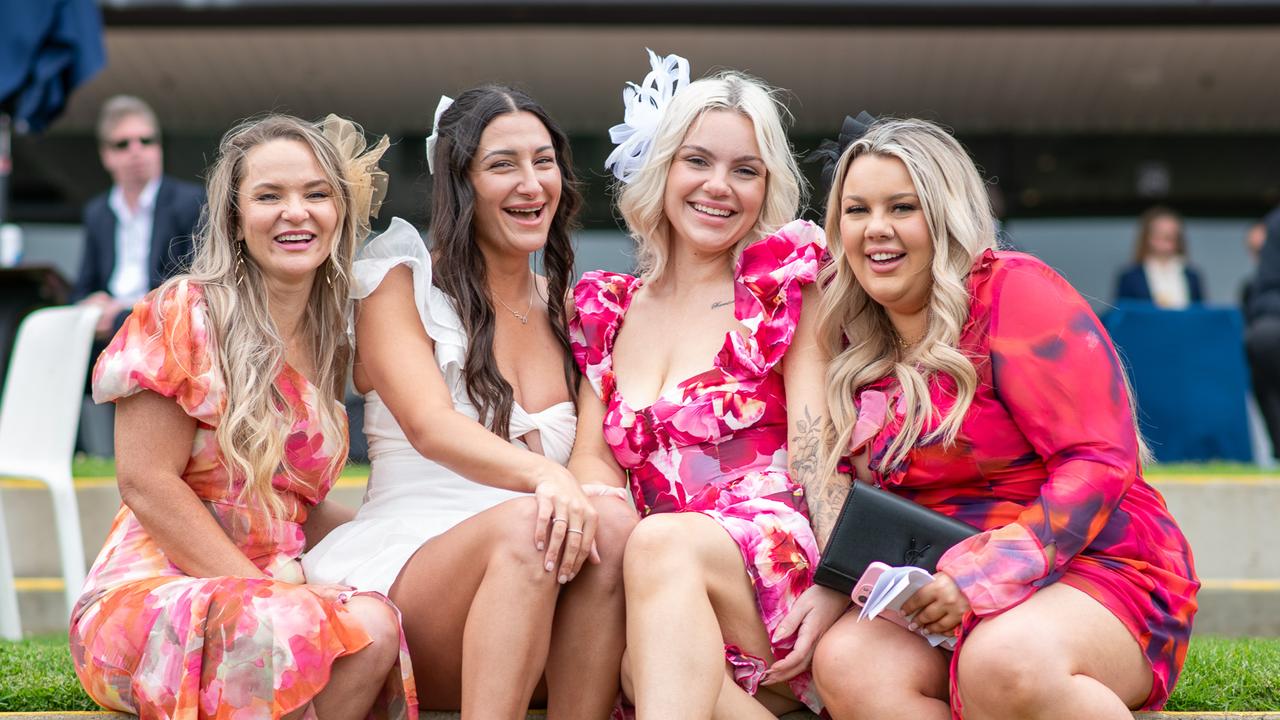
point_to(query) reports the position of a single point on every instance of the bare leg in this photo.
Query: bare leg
(589, 633)
(356, 679)
(477, 605)
(687, 595)
(875, 669)
(1060, 654)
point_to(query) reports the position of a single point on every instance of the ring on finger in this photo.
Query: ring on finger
(575, 530)
(556, 520)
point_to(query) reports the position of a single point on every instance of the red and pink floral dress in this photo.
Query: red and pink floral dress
(1046, 456)
(717, 443)
(147, 638)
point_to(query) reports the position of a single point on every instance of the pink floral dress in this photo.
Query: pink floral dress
(146, 638)
(1046, 456)
(717, 444)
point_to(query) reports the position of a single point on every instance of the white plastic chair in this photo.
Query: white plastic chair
(39, 415)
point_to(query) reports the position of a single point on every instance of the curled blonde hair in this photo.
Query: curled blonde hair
(249, 349)
(641, 202)
(856, 331)
(957, 210)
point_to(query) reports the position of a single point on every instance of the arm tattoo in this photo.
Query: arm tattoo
(825, 495)
(722, 303)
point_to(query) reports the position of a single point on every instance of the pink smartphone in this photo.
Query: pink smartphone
(862, 590)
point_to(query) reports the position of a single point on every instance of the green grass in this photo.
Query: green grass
(1225, 674)
(87, 466)
(38, 676)
(1221, 675)
(1211, 468)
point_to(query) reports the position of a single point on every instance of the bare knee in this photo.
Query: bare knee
(999, 674)
(511, 546)
(843, 676)
(660, 548)
(382, 626)
(615, 521)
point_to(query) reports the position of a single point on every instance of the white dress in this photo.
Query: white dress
(411, 499)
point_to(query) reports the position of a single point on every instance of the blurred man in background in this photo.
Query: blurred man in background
(138, 233)
(1262, 329)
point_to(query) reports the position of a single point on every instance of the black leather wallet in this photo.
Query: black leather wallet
(876, 525)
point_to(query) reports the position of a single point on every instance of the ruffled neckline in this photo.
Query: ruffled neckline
(764, 280)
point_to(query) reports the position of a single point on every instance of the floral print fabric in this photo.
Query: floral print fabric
(717, 444)
(148, 639)
(1046, 457)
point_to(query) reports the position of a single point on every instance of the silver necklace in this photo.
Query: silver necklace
(523, 318)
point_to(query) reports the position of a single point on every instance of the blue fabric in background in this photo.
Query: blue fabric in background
(47, 48)
(1189, 374)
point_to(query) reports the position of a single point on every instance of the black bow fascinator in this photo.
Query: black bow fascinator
(829, 151)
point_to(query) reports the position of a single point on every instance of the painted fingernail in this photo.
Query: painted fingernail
(542, 546)
(550, 566)
(913, 627)
(564, 579)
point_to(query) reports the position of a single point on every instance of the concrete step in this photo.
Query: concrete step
(1229, 521)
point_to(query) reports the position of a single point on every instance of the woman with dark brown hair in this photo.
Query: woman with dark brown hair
(471, 522)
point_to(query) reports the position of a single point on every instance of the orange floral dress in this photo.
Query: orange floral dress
(147, 638)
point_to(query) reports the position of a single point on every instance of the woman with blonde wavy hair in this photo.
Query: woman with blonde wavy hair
(691, 372)
(979, 384)
(229, 434)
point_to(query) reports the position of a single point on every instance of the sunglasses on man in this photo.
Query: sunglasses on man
(123, 143)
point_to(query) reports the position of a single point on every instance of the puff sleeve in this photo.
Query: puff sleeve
(165, 346)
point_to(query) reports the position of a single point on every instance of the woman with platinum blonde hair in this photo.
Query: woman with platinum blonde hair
(691, 372)
(979, 384)
(228, 382)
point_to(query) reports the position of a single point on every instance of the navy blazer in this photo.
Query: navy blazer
(177, 211)
(1132, 285)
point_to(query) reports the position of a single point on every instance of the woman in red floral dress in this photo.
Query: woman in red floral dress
(979, 384)
(691, 369)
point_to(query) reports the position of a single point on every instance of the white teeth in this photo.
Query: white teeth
(295, 237)
(712, 211)
(527, 211)
(882, 256)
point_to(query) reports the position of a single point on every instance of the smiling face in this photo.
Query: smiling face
(885, 236)
(517, 184)
(716, 184)
(288, 215)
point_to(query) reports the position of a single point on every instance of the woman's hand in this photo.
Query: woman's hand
(566, 520)
(813, 613)
(938, 607)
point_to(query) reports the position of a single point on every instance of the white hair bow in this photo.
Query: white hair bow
(644, 105)
(445, 102)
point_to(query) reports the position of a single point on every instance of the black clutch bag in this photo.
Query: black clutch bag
(876, 525)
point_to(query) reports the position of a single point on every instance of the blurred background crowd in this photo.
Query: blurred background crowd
(1130, 144)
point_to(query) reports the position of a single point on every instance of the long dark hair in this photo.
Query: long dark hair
(459, 265)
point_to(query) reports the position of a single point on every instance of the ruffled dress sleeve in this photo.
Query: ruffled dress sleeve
(164, 346)
(771, 274)
(600, 299)
(401, 244)
(1055, 369)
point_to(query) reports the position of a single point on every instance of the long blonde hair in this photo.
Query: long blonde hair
(640, 202)
(855, 330)
(957, 210)
(248, 347)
